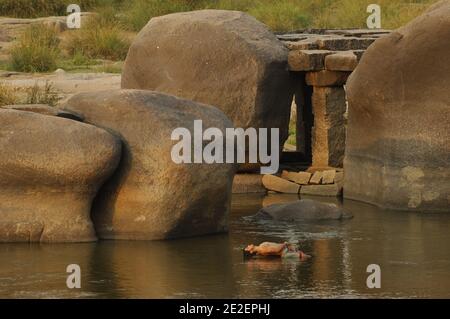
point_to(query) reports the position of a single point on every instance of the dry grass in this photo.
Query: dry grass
(280, 15)
(352, 13)
(36, 94)
(36, 51)
(285, 15)
(39, 8)
(42, 94)
(8, 95)
(102, 36)
(137, 13)
(109, 34)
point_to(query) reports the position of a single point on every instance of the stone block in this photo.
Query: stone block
(278, 184)
(327, 78)
(301, 178)
(341, 61)
(328, 176)
(316, 178)
(344, 43)
(307, 60)
(358, 32)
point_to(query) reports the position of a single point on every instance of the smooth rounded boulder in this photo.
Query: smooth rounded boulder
(397, 151)
(303, 210)
(223, 58)
(151, 197)
(45, 110)
(50, 170)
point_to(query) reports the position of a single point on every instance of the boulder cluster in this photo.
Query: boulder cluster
(100, 166)
(324, 59)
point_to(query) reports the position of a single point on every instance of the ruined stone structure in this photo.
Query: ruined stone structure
(321, 61)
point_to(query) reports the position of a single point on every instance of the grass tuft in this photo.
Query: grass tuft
(42, 95)
(8, 95)
(101, 37)
(36, 94)
(36, 51)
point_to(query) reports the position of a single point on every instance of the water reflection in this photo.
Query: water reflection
(39, 271)
(412, 249)
(183, 268)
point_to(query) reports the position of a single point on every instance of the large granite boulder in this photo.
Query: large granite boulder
(151, 197)
(223, 58)
(303, 210)
(398, 149)
(45, 110)
(50, 170)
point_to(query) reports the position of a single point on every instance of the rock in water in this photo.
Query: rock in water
(223, 58)
(150, 197)
(304, 209)
(398, 151)
(50, 170)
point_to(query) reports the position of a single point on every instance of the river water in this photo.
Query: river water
(412, 249)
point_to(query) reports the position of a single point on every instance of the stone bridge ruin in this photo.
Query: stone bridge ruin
(321, 61)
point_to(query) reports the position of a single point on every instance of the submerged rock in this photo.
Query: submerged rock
(398, 151)
(50, 170)
(304, 209)
(150, 196)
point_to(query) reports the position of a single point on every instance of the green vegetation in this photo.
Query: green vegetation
(102, 36)
(139, 12)
(292, 139)
(280, 15)
(41, 8)
(108, 34)
(352, 13)
(78, 61)
(109, 68)
(36, 51)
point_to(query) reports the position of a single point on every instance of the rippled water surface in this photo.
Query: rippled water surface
(412, 249)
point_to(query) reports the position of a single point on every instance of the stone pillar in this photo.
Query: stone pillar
(325, 61)
(328, 134)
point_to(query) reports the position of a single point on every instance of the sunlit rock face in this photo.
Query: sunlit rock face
(50, 171)
(223, 58)
(398, 139)
(150, 196)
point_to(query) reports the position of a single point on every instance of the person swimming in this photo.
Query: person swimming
(268, 249)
